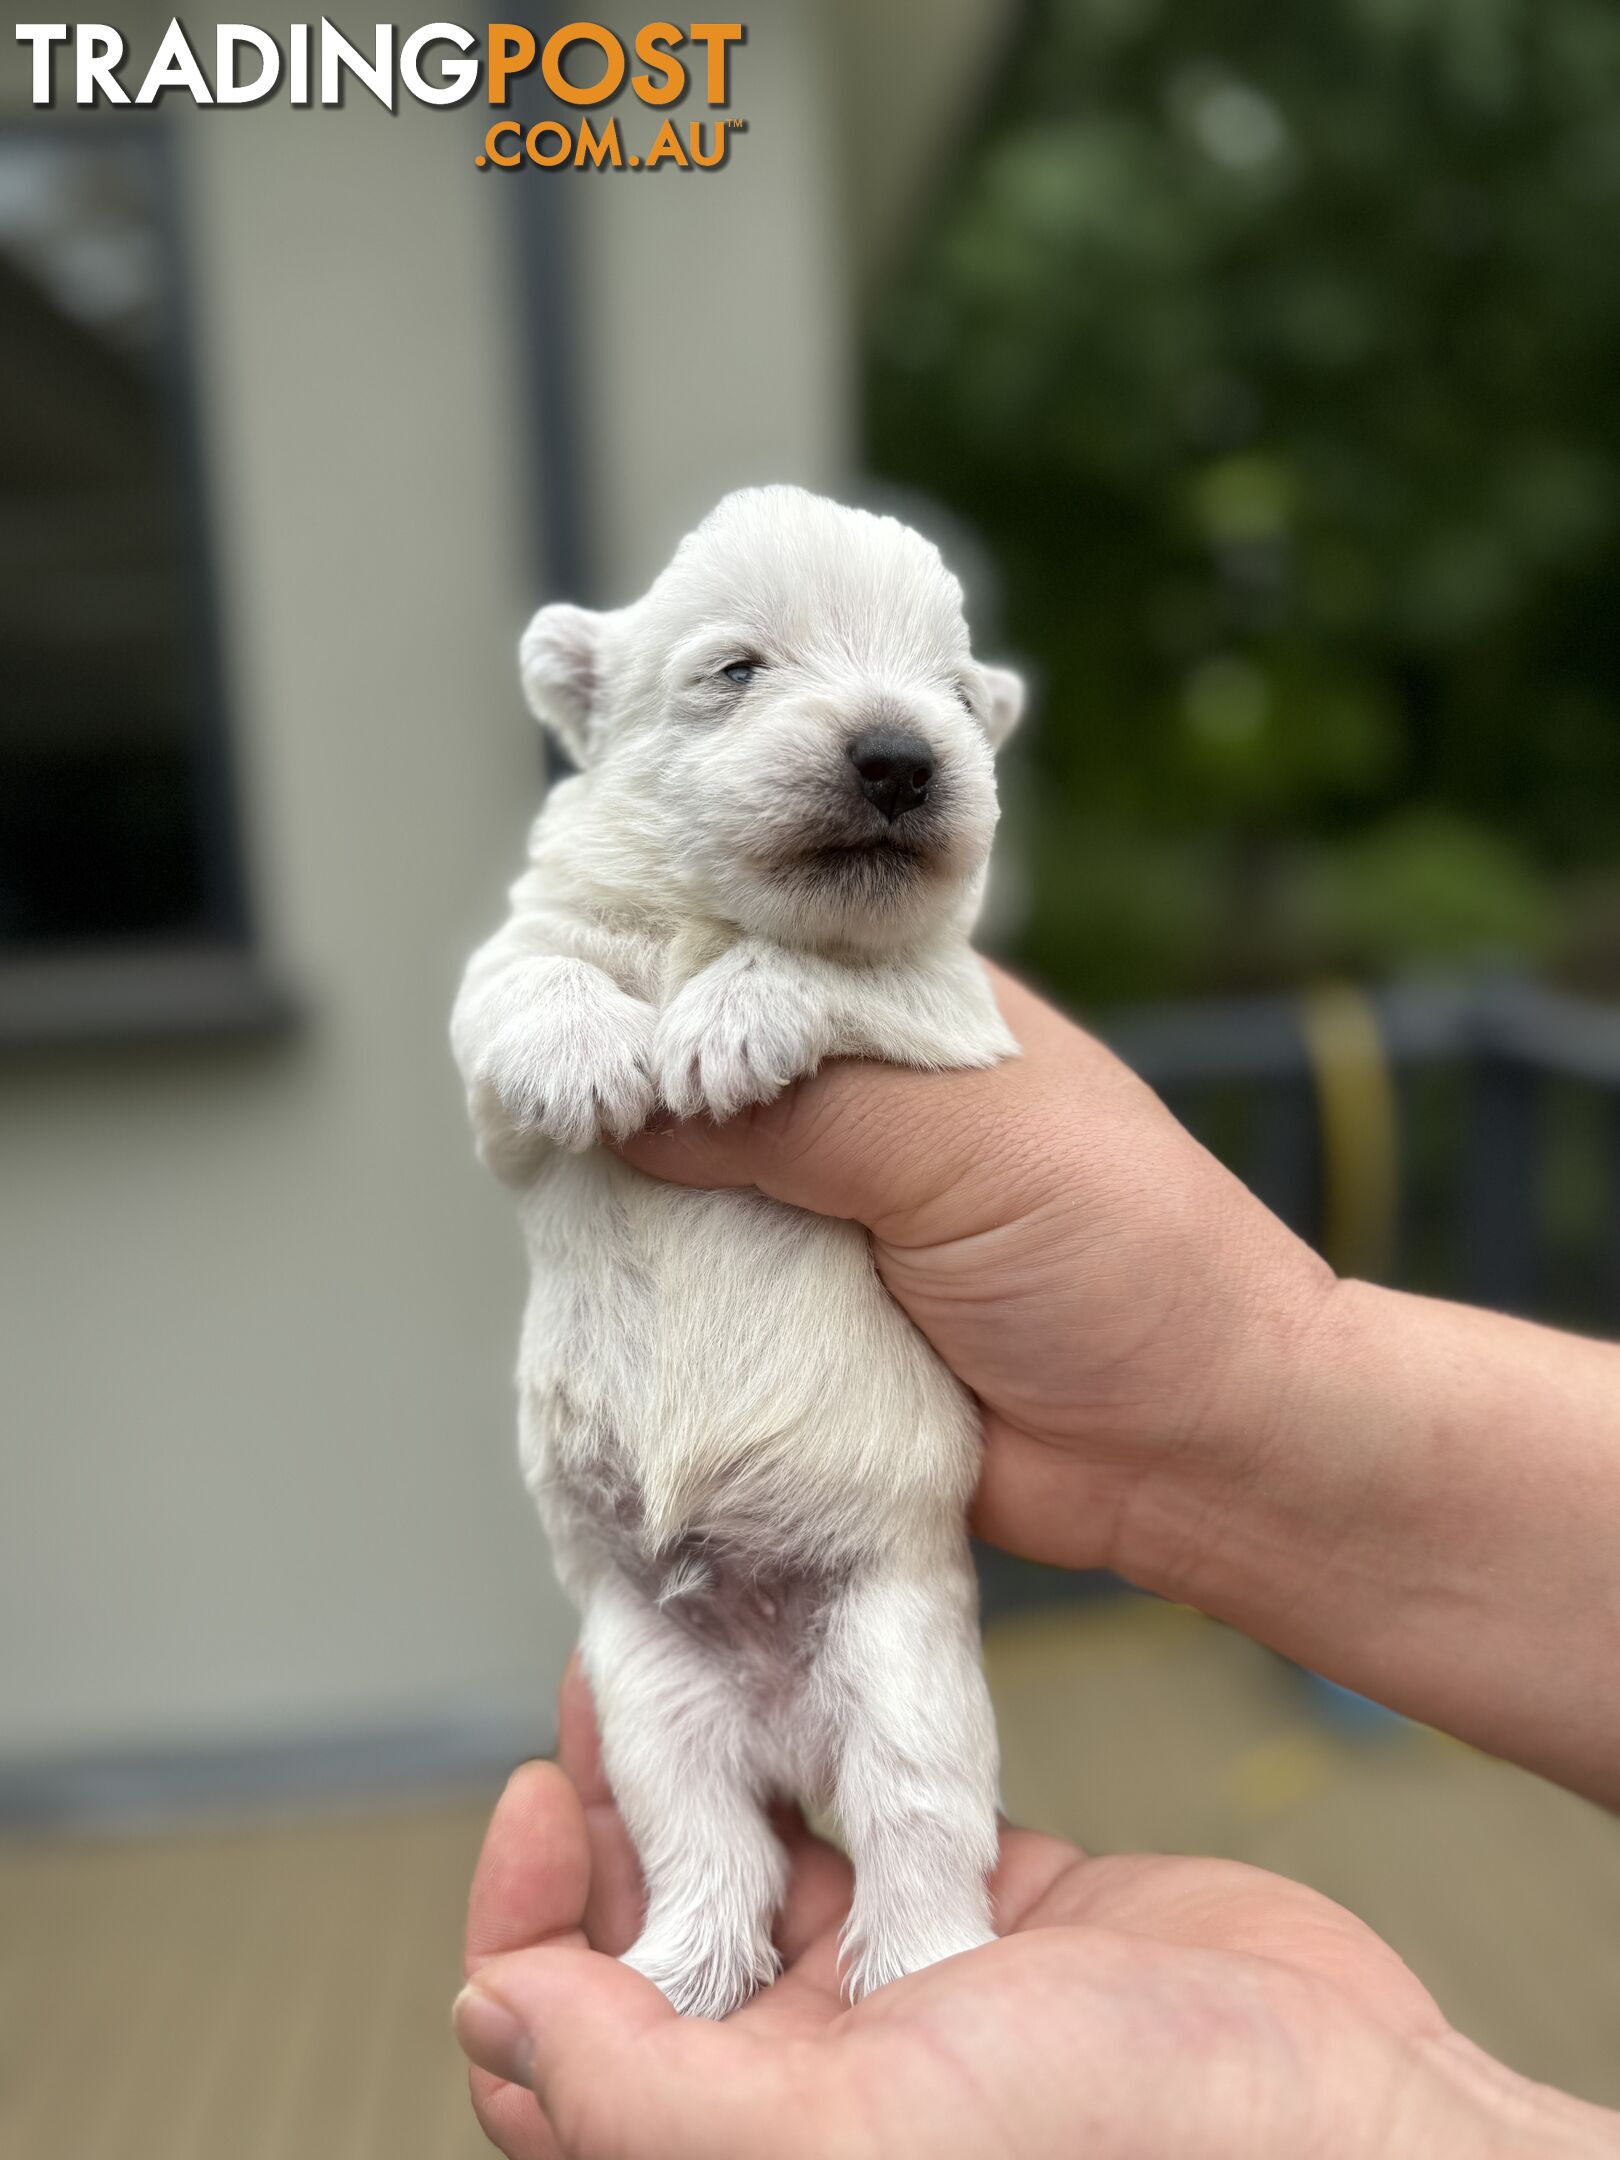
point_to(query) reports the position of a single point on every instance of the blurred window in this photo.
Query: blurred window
(116, 833)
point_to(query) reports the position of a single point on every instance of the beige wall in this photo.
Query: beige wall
(259, 1307)
(716, 340)
(912, 78)
(719, 332)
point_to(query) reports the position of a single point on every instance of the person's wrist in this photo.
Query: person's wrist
(1246, 1431)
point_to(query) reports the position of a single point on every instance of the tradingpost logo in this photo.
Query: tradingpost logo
(583, 66)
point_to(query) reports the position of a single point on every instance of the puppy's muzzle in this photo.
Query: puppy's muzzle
(893, 771)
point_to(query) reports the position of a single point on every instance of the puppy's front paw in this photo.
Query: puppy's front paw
(577, 1067)
(737, 1034)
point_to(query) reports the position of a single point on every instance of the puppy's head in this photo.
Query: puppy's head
(789, 731)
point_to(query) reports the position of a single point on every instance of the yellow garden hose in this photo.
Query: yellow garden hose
(1356, 1111)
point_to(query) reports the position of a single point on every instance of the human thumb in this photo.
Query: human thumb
(613, 2068)
(869, 1143)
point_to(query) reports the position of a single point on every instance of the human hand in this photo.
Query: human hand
(1115, 1298)
(1132, 2006)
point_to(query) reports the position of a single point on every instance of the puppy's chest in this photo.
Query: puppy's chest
(713, 1366)
(649, 959)
(678, 1301)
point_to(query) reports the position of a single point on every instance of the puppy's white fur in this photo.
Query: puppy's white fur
(753, 1468)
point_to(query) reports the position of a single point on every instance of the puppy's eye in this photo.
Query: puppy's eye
(740, 672)
(963, 694)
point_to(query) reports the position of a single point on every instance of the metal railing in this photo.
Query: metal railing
(1462, 1138)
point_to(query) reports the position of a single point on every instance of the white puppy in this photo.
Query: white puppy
(753, 1469)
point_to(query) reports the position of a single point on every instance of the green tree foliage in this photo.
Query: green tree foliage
(1275, 353)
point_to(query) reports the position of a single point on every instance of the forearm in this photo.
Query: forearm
(1425, 1506)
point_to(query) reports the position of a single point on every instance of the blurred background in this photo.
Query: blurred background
(1256, 369)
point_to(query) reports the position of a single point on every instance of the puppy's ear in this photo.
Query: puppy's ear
(1004, 702)
(557, 667)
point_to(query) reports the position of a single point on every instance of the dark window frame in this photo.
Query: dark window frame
(208, 978)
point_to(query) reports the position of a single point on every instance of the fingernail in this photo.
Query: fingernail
(489, 2035)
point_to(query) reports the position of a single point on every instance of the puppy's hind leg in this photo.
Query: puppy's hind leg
(914, 1742)
(681, 1754)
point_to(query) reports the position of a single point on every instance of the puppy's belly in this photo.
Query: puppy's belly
(715, 1376)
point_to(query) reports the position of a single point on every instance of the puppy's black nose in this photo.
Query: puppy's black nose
(894, 770)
